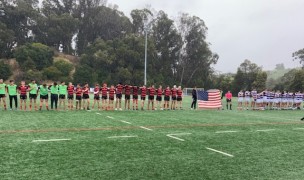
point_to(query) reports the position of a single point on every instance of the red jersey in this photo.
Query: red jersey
(96, 91)
(112, 92)
(127, 90)
(174, 92)
(159, 92)
(143, 91)
(119, 89)
(104, 91)
(70, 90)
(135, 90)
(78, 91)
(179, 93)
(23, 89)
(167, 92)
(86, 90)
(228, 95)
(151, 91)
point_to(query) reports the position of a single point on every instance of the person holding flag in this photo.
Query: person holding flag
(194, 98)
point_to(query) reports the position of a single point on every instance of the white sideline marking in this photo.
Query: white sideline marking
(122, 136)
(226, 154)
(125, 122)
(265, 130)
(173, 136)
(298, 129)
(225, 131)
(110, 117)
(51, 140)
(145, 128)
(98, 113)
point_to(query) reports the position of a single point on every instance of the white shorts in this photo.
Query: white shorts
(298, 101)
(240, 99)
(259, 101)
(247, 99)
(290, 100)
(284, 100)
(265, 100)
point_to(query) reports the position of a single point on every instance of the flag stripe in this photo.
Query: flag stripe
(210, 99)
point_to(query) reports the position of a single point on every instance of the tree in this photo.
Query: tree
(40, 54)
(299, 55)
(280, 67)
(260, 82)
(5, 71)
(64, 67)
(7, 41)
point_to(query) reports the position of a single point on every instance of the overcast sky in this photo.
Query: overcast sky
(266, 32)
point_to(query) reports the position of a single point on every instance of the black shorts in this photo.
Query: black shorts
(70, 97)
(96, 97)
(85, 96)
(179, 99)
(33, 96)
(127, 97)
(44, 96)
(118, 96)
(111, 98)
(104, 97)
(61, 96)
(2, 95)
(173, 98)
(78, 98)
(167, 98)
(135, 97)
(158, 98)
(23, 97)
(143, 98)
(228, 100)
(151, 98)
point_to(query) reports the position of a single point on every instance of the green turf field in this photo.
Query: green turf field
(152, 144)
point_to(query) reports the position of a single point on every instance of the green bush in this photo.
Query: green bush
(52, 73)
(33, 75)
(5, 71)
(64, 67)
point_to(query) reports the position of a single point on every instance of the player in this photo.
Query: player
(22, 91)
(96, 96)
(179, 98)
(271, 99)
(78, 92)
(135, 97)
(44, 96)
(143, 95)
(151, 91)
(3, 92)
(254, 94)
(63, 88)
(167, 93)
(127, 96)
(111, 98)
(119, 89)
(298, 100)
(173, 97)
(240, 100)
(277, 101)
(104, 96)
(259, 101)
(12, 93)
(54, 95)
(194, 98)
(265, 98)
(247, 99)
(228, 96)
(33, 89)
(284, 100)
(159, 93)
(70, 90)
(86, 97)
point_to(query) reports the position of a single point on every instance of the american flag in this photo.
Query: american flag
(210, 99)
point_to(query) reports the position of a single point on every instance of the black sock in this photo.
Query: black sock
(230, 106)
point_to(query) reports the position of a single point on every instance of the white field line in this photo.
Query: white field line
(145, 128)
(177, 134)
(125, 122)
(110, 117)
(112, 137)
(221, 152)
(51, 140)
(298, 128)
(265, 130)
(98, 113)
(225, 132)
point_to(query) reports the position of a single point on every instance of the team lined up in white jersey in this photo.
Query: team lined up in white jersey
(268, 100)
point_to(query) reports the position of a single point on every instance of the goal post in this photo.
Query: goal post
(188, 91)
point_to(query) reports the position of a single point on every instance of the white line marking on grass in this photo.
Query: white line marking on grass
(145, 128)
(226, 132)
(51, 140)
(110, 117)
(98, 113)
(214, 150)
(298, 129)
(178, 134)
(125, 122)
(265, 130)
(122, 136)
